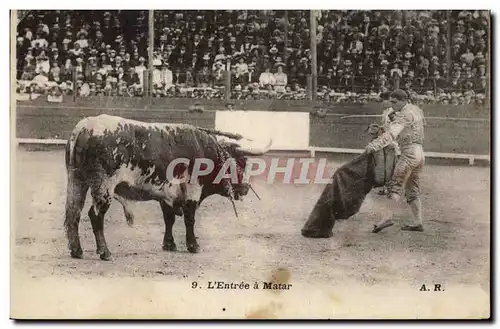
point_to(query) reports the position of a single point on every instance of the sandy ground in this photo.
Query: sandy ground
(354, 274)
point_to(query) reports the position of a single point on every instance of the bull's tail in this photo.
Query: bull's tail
(72, 142)
(70, 148)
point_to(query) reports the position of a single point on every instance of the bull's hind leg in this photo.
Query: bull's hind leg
(75, 199)
(189, 220)
(169, 218)
(102, 201)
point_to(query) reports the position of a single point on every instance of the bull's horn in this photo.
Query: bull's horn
(249, 147)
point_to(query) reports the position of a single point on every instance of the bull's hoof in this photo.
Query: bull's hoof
(317, 234)
(106, 256)
(170, 246)
(193, 248)
(104, 253)
(78, 253)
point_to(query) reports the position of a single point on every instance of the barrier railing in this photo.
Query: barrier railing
(312, 150)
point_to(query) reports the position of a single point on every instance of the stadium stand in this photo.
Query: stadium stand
(359, 54)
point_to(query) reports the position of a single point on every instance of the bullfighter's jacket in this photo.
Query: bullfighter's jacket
(407, 128)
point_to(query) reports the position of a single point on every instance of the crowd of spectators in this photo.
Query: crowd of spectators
(198, 53)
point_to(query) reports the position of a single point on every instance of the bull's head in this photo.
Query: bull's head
(237, 148)
(240, 150)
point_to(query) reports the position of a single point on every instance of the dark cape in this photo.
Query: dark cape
(343, 196)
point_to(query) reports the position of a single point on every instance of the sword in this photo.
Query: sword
(234, 207)
(254, 192)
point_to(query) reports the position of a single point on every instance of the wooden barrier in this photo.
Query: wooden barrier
(447, 135)
(311, 151)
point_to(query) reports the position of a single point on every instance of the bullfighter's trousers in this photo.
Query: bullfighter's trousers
(406, 175)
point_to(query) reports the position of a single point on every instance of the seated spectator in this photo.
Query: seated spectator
(55, 73)
(267, 79)
(139, 69)
(41, 80)
(219, 74)
(357, 51)
(280, 78)
(157, 80)
(480, 85)
(396, 75)
(253, 76)
(241, 75)
(42, 63)
(132, 79)
(203, 77)
(120, 75)
(167, 79)
(439, 82)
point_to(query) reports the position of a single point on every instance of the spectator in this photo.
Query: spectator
(253, 77)
(396, 75)
(357, 50)
(439, 82)
(219, 73)
(267, 79)
(280, 78)
(166, 77)
(55, 73)
(139, 69)
(241, 69)
(42, 64)
(203, 76)
(132, 79)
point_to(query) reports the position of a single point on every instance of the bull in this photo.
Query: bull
(343, 196)
(123, 159)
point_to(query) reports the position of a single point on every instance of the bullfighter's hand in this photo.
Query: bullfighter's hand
(370, 149)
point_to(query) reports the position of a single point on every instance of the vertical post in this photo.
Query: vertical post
(309, 87)
(488, 65)
(285, 52)
(75, 91)
(448, 45)
(151, 31)
(314, 57)
(227, 84)
(145, 79)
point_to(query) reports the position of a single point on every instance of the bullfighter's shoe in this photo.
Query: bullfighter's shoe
(386, 224)
(414, 228)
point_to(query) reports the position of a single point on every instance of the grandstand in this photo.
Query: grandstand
(437, 56)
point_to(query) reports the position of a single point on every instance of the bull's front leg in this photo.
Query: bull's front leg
(189, 220)
(169, 218)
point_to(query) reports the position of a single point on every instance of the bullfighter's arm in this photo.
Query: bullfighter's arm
(401, 120)
(388, 116)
